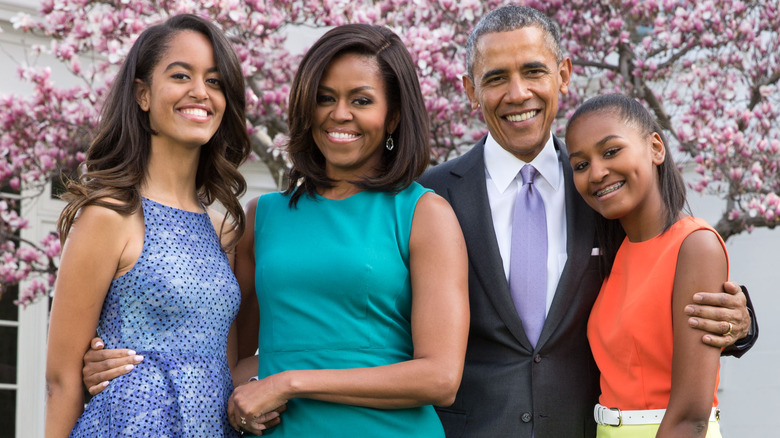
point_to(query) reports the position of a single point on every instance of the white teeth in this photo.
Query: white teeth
(610, 189)
(342, 135)
(521, 117)
(195, 112)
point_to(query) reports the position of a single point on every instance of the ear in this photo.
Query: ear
(468, 85)
(564, 70)
(657, 149)
(142, 94)
(393, 121)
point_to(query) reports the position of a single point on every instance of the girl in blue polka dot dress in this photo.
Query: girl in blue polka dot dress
(144, 264)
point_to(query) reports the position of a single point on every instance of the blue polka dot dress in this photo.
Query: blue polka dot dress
(174, 307)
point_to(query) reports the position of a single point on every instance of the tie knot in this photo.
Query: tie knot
(528, 172)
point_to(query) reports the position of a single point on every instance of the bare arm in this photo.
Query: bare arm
(701, 265)
(248, 320)
(440, 318)
(91, 257)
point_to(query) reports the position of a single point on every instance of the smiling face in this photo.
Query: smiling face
(350, 123)
(516, 81)
(184, 98)
(615, 168)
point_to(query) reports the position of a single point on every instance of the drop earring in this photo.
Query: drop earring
(389, 145)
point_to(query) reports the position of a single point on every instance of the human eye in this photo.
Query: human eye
(180, 76)
(217, 82)
(324, 98)
(536, 70)
(362, 101)
(579, 166)
(611, 152)
(493, 80)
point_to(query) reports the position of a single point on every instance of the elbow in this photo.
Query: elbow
(54, 385)
(60, 388)
(693, 428)
(692, 425)
(445, 389)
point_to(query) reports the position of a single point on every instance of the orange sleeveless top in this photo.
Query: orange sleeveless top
(630, 326)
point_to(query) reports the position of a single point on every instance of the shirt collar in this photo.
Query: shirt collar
(503, 167)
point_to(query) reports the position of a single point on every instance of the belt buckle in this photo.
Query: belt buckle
(620, 417)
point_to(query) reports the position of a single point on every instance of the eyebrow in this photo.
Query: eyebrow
(598, 144)
(187, 66)
(527, 66)
(352, 91)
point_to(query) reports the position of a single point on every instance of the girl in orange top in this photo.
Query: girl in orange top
(657, 377)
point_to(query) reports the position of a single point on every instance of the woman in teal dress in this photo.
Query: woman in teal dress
(360, 273)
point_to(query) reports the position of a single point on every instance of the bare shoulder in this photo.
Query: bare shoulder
(102, 235)
(702, 246)
(97, 218)
(250, 208)
(434, 218)
(247, 239)
(701, 263)
(432, 204)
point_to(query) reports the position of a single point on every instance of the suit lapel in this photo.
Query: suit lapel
(579, 243)
(468, 197)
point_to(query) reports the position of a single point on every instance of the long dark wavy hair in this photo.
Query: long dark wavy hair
(117, 158)
(609, 232)
(399, 167)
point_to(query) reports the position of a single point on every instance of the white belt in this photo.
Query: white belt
(616, 417)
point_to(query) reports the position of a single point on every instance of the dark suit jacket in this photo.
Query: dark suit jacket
(508, 387)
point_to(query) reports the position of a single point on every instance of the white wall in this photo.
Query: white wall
(749, 386)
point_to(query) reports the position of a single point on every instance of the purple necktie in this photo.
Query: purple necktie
(528, 259)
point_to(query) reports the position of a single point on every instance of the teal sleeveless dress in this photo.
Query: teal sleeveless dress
(333, 286)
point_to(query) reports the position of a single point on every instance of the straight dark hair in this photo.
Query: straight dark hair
(117, 158)
(398, 168)
(609, 232)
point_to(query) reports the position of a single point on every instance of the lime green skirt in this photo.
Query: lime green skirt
(645, 431)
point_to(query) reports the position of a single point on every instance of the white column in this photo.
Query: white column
(42, 213)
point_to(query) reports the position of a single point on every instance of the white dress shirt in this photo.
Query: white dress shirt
(502, 170)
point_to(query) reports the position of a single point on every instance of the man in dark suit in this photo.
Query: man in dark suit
(514, 386)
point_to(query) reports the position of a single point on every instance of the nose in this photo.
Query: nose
(199, 90)
(518, 91)
(341, 111)
(598, 171)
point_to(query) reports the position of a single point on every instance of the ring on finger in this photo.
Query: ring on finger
(728, 332)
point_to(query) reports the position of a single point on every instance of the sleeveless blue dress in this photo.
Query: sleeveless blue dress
(334, 291)
(174, 307)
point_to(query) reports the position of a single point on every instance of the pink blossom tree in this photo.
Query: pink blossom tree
(708, 69)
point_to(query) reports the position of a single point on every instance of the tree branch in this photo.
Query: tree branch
(727, 228)
(601, 65)
(262, 146)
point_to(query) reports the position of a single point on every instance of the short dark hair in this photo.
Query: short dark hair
(509, 18)
(670, 179)
(399, 167)
(118, 156)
